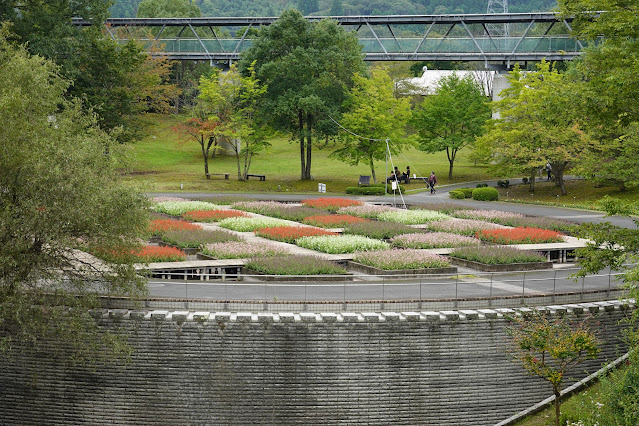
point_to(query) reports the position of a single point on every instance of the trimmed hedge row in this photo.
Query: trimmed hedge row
(485, 194)
(372, 189)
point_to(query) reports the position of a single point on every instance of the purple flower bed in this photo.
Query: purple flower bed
(367, 210)
(466, 227)
(401, 259)
(489, 215)
(241, 250)
(433, 240)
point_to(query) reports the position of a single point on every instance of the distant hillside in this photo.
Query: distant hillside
(128, 8)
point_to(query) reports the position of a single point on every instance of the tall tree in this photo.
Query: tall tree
(308, 68)
(59, 192)
(452, 118)
(374, 117)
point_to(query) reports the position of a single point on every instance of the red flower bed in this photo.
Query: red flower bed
(158, 226)
(330, 204)
(150, 254)
(520, 236)
(333, 220)
(289, 234)
(212, 215)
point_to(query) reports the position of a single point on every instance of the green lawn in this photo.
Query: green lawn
(162, 162)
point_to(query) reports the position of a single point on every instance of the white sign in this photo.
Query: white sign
(321, 187)
(394, 185)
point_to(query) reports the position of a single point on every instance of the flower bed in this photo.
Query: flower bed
(250, 224)
(160, 226)
(178, 208)
(259, 207)
(341, 243)
(294, 265)
(498, 258)
(196, 238)
(495, 216)
(330, 204)
(520, 236)
(150, 254)
(212, 215)
(289, 234)
(433, 240)
(243, 250)
(401, 259)
(540, 222)
(332, 220)
(411, 217)
(379, 230)
(467, 227)
(368, 211)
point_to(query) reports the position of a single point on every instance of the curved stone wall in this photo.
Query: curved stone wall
(431, 368)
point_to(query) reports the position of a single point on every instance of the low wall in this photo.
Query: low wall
(430, 368)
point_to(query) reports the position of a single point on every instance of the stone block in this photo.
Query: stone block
(244, 317)
(328, 317)
(265, 318)
(451, 315)
(489, 313)
(391, 316)
(159, 315)
(287, 317)
(350, 317)
(411, 316)
(222, 316)
(470, 315)
(308, 317)
(370, 317)
(201, 316)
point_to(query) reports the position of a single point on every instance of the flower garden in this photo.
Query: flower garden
(381, 237)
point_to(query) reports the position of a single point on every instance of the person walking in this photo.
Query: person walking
(432, 181)
(548, 169)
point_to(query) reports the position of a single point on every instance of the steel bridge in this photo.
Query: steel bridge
(520, 37)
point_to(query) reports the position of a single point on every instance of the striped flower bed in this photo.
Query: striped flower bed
(495, 216)
(250, 224)
(520, 236)
(401, 259)
(330, 204)
(243, 250)
(368, 211)
(178, 208)
(411, 217)
(160, 226)
(332, 220)
(289, 234)
(212, 215)
(339, 244)
(294, 265)
(150, 254)
(433, 240)
(467, 227)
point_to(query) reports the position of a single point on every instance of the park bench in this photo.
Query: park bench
(226, 175)
(261, 177)
(364, 180)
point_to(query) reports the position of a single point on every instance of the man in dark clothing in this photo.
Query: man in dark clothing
(432, 181)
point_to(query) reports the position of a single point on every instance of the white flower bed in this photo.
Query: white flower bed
(367, 210)
(337, 244)
(466, 227)
(433, 240)
(243, 250)
(412, 217)
(490, 215)
(177, 208)
(250, 224)
(401, 259)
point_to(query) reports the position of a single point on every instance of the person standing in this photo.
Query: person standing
(432, 181)
(548, 169)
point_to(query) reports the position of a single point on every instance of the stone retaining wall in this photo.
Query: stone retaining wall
(428, 368)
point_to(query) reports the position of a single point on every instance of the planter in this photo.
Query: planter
(507, 267)
(297, 278)
(187, 250)
(377, 271)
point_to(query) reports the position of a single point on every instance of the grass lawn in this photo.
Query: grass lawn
(162, 162)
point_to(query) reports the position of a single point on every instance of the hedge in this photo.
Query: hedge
(485, 194)
(468, 192)
(457, 194)
(365, 190)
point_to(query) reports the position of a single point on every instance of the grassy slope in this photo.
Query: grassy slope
(162, 163)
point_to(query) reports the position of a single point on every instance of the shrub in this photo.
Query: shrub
(330, 204)
(332, 221)
(433, 240)
(457, 194)
(378, 230)
(411, 217)
(468, 192)
(295, 265)
(497, 255)
(524, 180)
(289, 234)
(389, 260)
(178, 208)
(365, 190)
(520, 236)
(187, 238)
(159, 226)
(212, 215)
(341, 243)
(485, 194)
(367, 210)
(503, 183)
(466, 227)
(243, 250)
(482, 185)
(150, 254)
(250, 224)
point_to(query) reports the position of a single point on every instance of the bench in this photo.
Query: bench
(226, 175)
(261, 177)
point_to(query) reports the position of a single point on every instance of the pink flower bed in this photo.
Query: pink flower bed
(401, 259)
(433, 240)
(366, 210)
(490, 215)
(240, 250)
(466, 227)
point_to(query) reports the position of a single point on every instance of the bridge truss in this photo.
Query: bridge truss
(470, 37)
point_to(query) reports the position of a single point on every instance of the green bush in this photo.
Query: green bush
(482, 185)
(468, 192)
(524, 180)
(365, 190)
(503, 183)
(485, 194)
(457, 194)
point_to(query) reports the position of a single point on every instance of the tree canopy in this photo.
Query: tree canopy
(308, 68)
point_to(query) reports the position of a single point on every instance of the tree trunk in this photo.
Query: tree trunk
(558, 171)
(205, 154)
(240, 177)
(557, 404)
(370, 161)
(533, 175)
(309, 146)
(300, 117)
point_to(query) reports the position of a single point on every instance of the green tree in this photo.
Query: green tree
(538, 122)
(59, 192)
(308, 68)
(550, 349)
(452, 118)
(374, 116)
(167, 9)
(337, 8)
